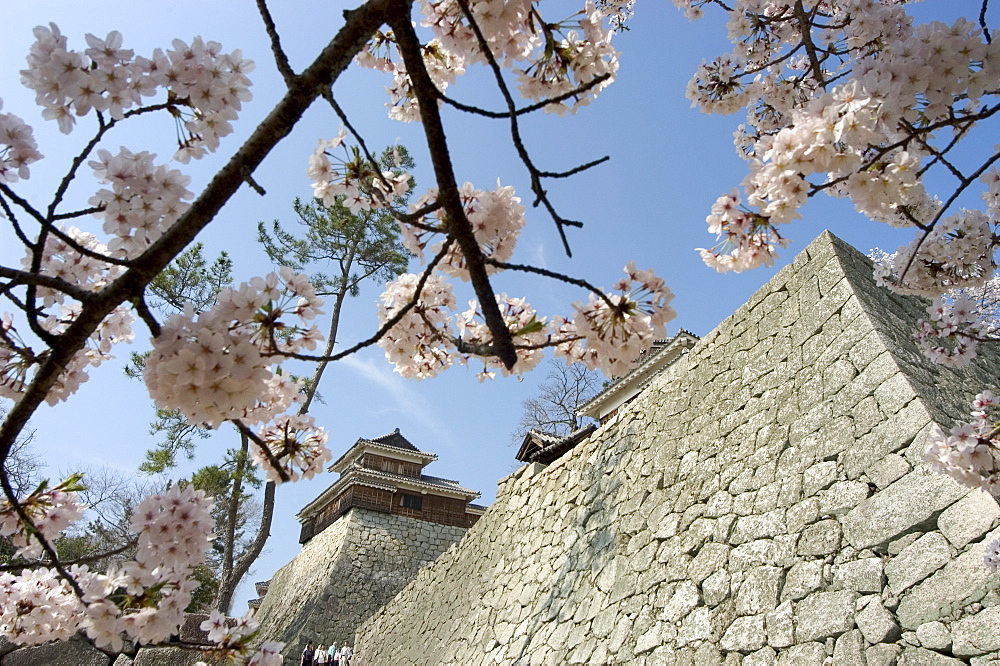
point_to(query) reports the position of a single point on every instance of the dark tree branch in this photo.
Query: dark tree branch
(360, 24)
(280, 58)
(56, 284)
(458, 224)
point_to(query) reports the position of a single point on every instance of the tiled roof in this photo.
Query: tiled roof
(545, 447)
(643, 373)
(445, 484)
(395, 440)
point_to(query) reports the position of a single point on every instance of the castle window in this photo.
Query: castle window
(415, 502)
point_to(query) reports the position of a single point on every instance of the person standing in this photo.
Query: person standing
(321, 655)
(346, 654)
(333, 654)
(307, 655)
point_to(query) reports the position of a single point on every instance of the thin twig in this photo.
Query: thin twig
(392, 321)
(280, 58)
(275, 463)
(142, 309)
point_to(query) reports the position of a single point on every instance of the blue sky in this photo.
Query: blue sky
(669, 163)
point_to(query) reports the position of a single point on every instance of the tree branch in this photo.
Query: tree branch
(336, 56)
(458, 224)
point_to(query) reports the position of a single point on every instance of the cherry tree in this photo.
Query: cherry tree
(846, 97)
(80, 291)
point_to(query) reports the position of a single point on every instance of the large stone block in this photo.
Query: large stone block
(751, 528)
(877, 624)
(904, 506)
(978, 634)
(849, 649)
(807, 654)
(745, 634)
(803, 578)
(915, 656)
(820, 538)
(863, 575)
(60, 653)
(962, 581)
(759, 591)
(823, 614)
(917, 561)
(969, 518)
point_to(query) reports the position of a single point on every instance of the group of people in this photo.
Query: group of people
(328, 656)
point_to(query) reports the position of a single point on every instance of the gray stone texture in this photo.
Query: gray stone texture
(877, 624)
(68, 653)
(934, 635)
(763, 498)
(915, 562)
(969, 518)
(978, 634)
(347, 572)
(823, 614)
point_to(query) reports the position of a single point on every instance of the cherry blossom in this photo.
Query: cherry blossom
(216, 365)
(18, 148)
(614, 330)
(199, 77)
(51, 510)
(496, 219)
(298, 445)
(352, 181)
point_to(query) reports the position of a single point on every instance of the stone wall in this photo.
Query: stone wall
(762, 502)
(344, 574)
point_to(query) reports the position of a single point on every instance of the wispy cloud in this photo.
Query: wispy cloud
(538, 254)
(403, 398)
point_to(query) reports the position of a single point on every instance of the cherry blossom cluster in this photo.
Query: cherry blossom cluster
(529, 332)
(352, 181)
(871, 135)
(233, 635)
(175, 532)
(496, 218)
(579, 58)
(746, 239)
(215, 365)
(950, 336)
(18, 148)
(51, 510)
(37, 606)
(991, 556)
(62, 259)
(442, 66)
(296, 443)
(970, 453)
(609, 332)
(110, 79)
(957, 253)
(548, 59)
(144, 199)
(143, 599)
(420, 344)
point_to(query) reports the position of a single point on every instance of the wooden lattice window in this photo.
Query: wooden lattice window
(415, 502)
